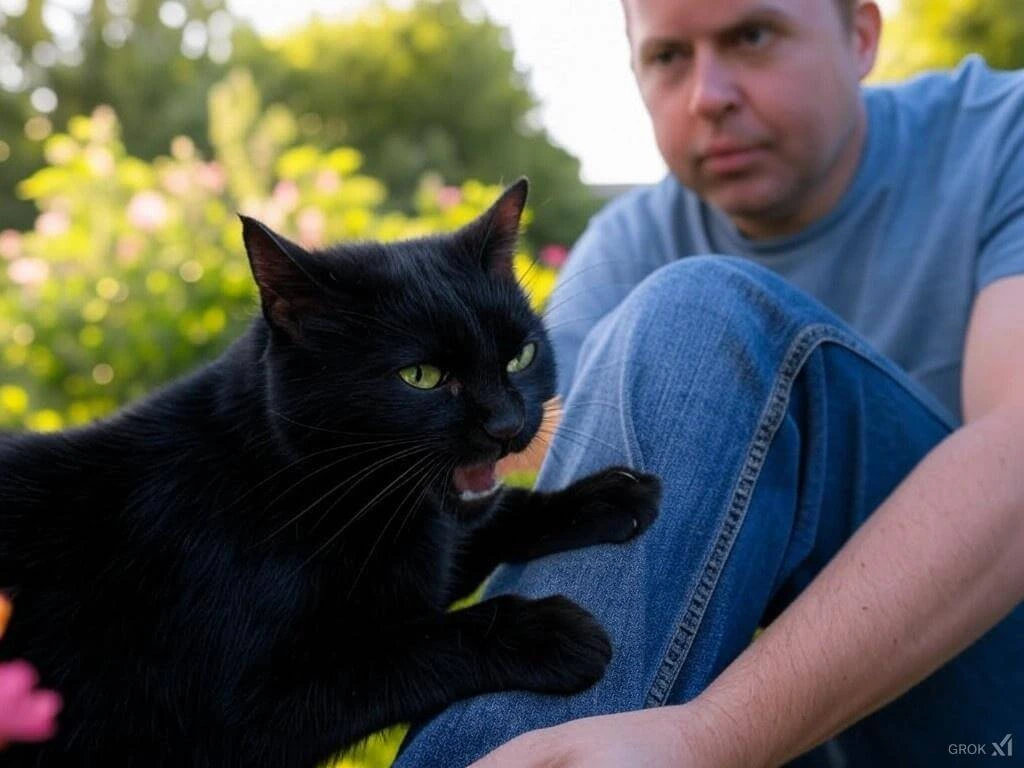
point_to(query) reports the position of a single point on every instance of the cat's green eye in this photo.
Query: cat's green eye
(522, 361)
(422, 376)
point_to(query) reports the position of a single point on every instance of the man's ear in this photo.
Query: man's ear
(867, 32)
(287, 289)
(493, 235)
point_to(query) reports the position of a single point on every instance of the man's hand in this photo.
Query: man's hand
(667, 737)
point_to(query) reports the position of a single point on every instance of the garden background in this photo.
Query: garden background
(132, 131)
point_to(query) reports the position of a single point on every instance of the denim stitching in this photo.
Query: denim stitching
(771, 418)
(800, 349)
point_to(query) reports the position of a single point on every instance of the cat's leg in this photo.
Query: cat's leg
(610, 506)
(417, 668)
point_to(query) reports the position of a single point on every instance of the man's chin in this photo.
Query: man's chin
(756, 208)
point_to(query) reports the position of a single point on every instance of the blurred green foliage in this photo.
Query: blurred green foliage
(937, 34)
(135, 272)
(154, 73)
(425, 90)
(416, 91)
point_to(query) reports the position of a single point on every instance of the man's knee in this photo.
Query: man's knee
(714, 306)
(697, 286)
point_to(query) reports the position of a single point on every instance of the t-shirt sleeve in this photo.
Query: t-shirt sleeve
(1001, 252)
(627, 240)
(584, 293)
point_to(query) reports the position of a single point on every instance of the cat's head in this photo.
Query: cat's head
(424, 354)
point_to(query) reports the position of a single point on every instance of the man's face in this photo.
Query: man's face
(755, 103)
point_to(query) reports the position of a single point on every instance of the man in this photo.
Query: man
(836, 413)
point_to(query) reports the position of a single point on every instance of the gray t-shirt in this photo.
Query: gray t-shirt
(935, 212)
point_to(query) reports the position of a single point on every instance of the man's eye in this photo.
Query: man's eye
(754, 36)
(667, 56)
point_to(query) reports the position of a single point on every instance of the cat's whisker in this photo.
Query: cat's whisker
(307, 457)
(334, 463)
(359, 514)
(365, 472)
(418, 482)
(560, 409)
(354, 518)
(584, 270)
(441, 470)
(565, 299)
(553, 452)
(353, 480)
(570, 321)
(525, 286)
(569, 432)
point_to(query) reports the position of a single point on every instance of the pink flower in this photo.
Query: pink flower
(52, 223)
(27, 713)
(147, 211)
(28, 271)
(10, 244)
(211, 177)
(286, 195)
(128, 249)
(311, 227)
(268, 211)
(100, 161)
(177, 181)
(554, 255)
(327, 181)
(448, 197)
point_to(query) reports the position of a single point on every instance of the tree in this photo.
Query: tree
(420, 90)
(937, 34)
(416, 91)
(135, 272)
(153, 61)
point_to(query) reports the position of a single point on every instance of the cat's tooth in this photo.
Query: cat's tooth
(477, 495)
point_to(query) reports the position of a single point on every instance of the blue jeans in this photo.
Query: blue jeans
(776, 431)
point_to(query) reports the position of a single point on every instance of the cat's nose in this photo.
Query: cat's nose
(504, 427)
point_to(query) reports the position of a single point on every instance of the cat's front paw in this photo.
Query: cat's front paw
(551, 645)
(617, 502)
(609, 507)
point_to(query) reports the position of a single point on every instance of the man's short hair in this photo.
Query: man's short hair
(845, 8)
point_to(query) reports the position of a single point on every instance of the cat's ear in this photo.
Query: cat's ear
(494, 235)
(287, 290)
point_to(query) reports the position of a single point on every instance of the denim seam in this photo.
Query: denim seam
(837, 336)
(771, 418)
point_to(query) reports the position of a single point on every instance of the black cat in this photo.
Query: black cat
(252, 566)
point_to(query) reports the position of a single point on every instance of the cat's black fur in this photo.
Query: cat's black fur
(251, 567)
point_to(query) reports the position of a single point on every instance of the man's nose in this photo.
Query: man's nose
(714, 92)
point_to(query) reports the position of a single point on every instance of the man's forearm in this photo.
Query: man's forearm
(937, 565)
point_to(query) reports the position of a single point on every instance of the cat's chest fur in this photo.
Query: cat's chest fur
(174, 573)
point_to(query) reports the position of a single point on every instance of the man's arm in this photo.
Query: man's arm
(929, 572)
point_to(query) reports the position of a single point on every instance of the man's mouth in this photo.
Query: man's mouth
(475, 481)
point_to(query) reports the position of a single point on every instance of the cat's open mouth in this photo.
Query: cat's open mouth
(475, 481)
